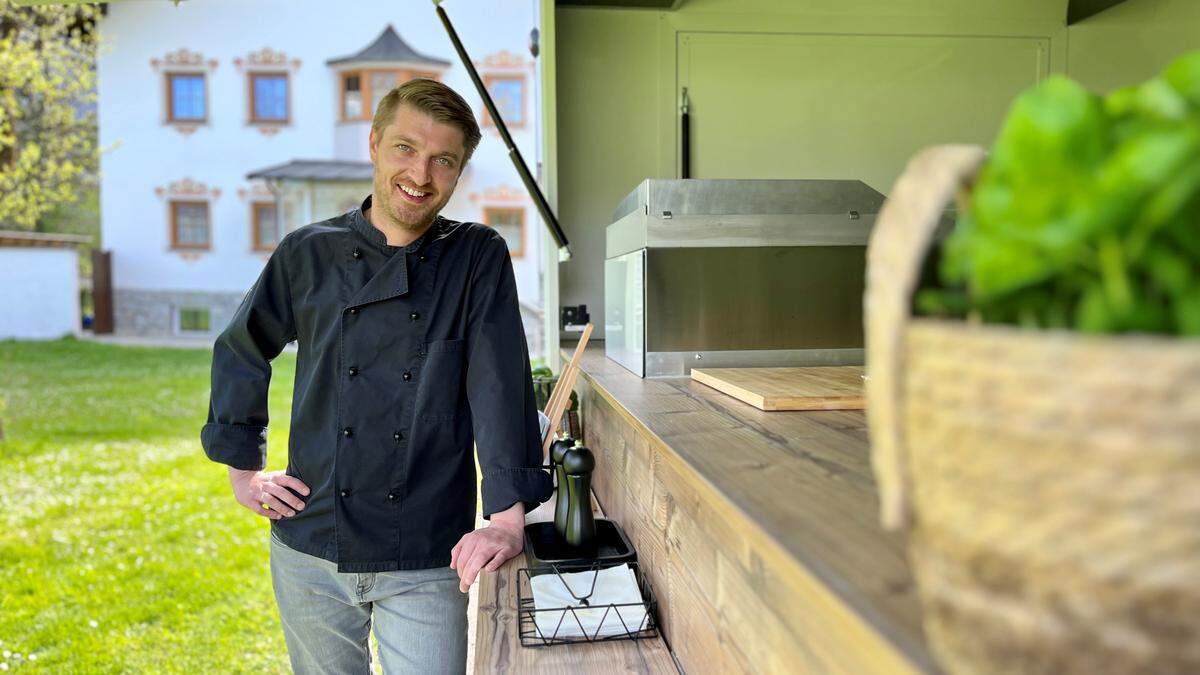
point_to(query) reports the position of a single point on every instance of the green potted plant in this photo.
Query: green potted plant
(1034, 404)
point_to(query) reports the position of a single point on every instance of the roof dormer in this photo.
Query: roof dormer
(367, 75)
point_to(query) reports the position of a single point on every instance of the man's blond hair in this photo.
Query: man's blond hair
(436, 100)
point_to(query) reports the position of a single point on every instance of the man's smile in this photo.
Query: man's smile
(412, 195)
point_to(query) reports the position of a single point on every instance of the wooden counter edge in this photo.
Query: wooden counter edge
(888, 656)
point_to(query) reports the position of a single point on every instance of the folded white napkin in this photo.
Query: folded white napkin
(614, 585)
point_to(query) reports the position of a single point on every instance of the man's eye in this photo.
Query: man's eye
(403, 147)
(445, 161)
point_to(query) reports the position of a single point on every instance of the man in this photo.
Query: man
(411, 352)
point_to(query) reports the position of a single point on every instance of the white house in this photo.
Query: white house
(39, 284)
(225, 124)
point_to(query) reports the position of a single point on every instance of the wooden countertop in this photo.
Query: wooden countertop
(803, 482)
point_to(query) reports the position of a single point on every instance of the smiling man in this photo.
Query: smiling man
(411, 354)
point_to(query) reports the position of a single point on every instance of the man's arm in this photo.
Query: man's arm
(236, 431)
(504, 415)
(500, 389)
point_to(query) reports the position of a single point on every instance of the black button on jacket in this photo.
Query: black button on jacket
(407, 357)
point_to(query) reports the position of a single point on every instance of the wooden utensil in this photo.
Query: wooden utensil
(561, 394)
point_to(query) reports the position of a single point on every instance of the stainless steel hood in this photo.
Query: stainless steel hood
(737, 272)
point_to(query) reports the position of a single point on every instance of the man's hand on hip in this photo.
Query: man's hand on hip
(266, 492)
(489, 547)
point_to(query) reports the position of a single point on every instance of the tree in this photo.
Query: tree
(47, 113)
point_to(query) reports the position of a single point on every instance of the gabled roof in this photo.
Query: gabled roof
(388, 47)
(317, 169)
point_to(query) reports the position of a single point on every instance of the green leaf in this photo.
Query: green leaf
(1187, 312)
(1183, 75)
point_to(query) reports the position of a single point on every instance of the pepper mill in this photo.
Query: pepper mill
(557, 450)
(578, 463)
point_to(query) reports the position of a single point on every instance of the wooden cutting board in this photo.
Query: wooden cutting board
(811, 388)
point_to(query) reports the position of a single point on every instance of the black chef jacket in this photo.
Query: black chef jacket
(407, 357)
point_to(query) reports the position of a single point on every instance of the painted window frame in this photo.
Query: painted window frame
(174, 224)
(488, 212)
(400, 76)
(170, 97)
(251, 117)
(488, 79)
(256, 225)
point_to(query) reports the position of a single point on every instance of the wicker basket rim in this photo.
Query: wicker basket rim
(1002, 331)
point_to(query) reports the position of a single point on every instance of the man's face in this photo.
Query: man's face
(417, 164)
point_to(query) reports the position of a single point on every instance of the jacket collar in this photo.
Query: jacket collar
(391, 279)
(359, 223)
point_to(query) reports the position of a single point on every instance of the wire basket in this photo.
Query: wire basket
(645, 626)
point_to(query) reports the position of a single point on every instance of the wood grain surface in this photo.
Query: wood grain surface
(759, 530)
(497, 641)
(809, 388)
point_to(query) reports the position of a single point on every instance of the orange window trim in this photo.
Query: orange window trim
(400, 76)
(490, 212)
(487, 84)
(175, 243)
(170, 96)
(287, 119)
(257, 225)
(345, 75)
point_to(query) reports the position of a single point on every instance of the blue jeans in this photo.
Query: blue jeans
(420, 616)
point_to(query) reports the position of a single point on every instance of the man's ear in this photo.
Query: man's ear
(371, 143)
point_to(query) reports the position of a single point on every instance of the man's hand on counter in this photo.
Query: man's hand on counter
(489, 547)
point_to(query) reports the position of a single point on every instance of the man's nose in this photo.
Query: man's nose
(419, 173)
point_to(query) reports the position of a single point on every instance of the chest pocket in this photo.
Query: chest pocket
(441, 390)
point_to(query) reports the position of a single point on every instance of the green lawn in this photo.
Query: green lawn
(121, 546)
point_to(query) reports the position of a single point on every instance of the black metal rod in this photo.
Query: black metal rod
(514, 154)
(685, 138)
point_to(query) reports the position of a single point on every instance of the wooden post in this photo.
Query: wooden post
(102, 301)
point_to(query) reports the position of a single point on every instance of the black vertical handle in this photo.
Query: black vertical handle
(685, 140)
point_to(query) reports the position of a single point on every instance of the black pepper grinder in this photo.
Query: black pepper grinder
(578, 463)
(557, 450)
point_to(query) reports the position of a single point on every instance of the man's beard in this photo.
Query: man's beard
(398, 211)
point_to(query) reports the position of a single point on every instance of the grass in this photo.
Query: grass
(121, 546)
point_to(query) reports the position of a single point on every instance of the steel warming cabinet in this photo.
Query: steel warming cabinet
(737, 273)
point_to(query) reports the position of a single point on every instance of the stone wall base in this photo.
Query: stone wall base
(146, 313)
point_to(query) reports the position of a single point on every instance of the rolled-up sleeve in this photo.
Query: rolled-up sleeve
(236, 430)
(500, 388)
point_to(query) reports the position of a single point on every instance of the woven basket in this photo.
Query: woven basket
(1050, 481)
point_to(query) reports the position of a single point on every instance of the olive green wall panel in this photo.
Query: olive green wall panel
(811, 88)
(845, 106)
(1132, 41)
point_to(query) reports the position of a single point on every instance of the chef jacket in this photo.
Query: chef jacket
(407, 358)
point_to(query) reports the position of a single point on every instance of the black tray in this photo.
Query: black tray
(545, 546)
